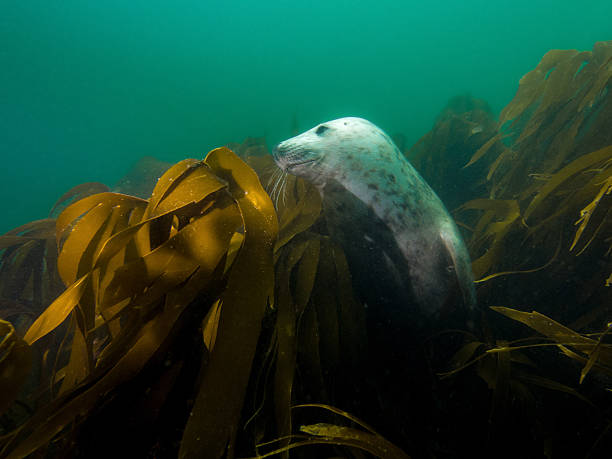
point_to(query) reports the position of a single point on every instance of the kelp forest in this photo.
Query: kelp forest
(208, 313)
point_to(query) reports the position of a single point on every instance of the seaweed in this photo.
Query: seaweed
(207, 255)
(537, 221)
(15, 363)
(466, 124)
(133, 267)
(552, 167)
(216, 316)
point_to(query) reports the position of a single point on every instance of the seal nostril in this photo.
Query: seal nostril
(321, 129)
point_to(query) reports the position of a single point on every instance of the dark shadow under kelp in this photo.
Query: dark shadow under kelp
(205, 322)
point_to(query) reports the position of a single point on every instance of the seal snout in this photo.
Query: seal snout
(279, 154)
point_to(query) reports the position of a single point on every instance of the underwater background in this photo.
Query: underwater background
(206, 304)
(87, 88)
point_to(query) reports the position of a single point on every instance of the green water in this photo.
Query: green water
(87, 87)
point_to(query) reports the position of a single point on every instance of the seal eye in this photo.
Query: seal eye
(321, 129)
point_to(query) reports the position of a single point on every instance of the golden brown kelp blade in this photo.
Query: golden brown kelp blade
(363, 438)
(213, 423)
(542, 209)
(554, 163)
(132, 267)
(74, 194)
(561, 111)
(594, 353)
(28, 266)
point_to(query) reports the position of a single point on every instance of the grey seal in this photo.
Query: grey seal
(421, 250)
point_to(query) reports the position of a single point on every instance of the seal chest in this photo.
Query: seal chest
(351, 156)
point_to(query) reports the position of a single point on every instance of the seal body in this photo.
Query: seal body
(383, 209)
(410, 268)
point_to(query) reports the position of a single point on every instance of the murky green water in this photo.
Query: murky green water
(88, 87)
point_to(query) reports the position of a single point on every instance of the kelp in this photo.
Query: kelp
(591, 351)
(28, 272)
(207, 245)
(571, 208)
(28, 264)
(500, 218)
(362, 438)
(465, 125)
(536, 217)
(201, 316)
(15, 362)
(219, 401)
(553, 164)
(559, 113)
(132, 267)
(527, 392)
(318, 319)
(594, 353)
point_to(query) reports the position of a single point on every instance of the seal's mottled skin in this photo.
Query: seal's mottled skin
(356, 155)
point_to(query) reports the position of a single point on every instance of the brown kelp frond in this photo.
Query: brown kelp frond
(132, 268)
(594, 353)
(560, 112)
(324, 433)
(15, 363)
(28, 271)
(522, 271)
(29, 279)
(217, 407)
(317, 318)
(575, 196)
(515, 379)
(499, 219)
(205, 248)
(465, 126)
(574, 176)
(74, 194)
(589, 211)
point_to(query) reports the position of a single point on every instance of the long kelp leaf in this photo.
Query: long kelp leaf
(78, 192)
(286, 342)
(79, 208)
(44, 229)
(565, 174)
(15, 363)
(171, 178)
(547, 327)
(57, 312)
(564, 336)
(483, 150)
(73, 261)
(51, 419)
(374, 444)
(11, 241)
(212, 425)
(587, 212)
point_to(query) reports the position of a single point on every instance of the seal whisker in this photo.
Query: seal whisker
(279, 189)
(284, 187)
(271, 179)
(276, 188)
